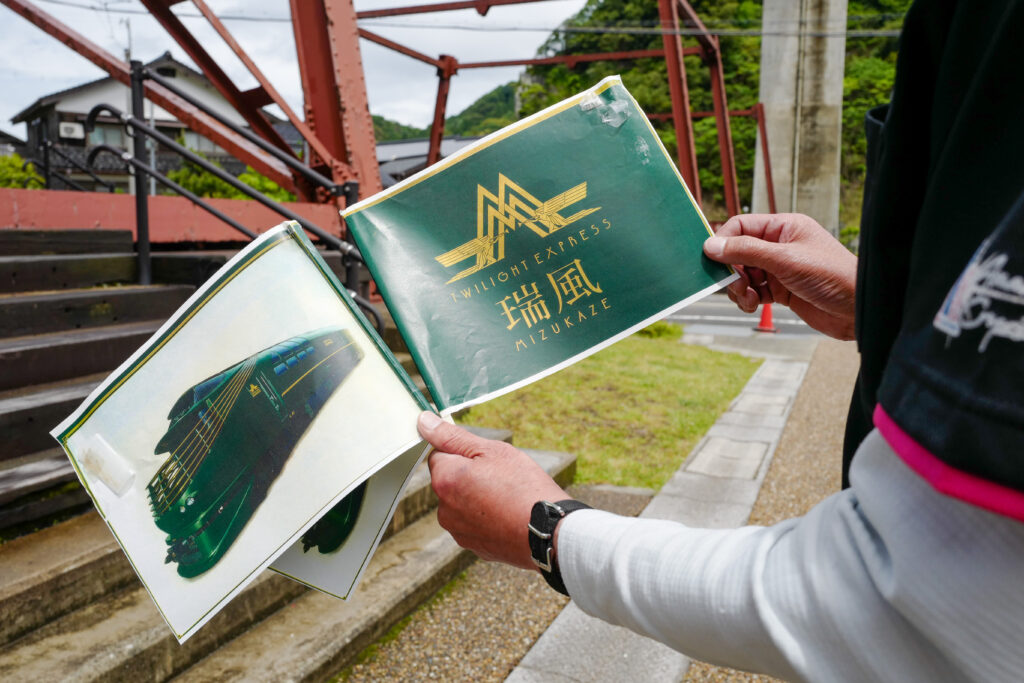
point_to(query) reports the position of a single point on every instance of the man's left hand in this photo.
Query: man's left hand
(486, 490)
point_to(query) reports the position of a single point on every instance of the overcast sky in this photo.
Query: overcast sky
(33, 64)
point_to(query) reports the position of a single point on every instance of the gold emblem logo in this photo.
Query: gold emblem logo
(498, 214)
(254, 390)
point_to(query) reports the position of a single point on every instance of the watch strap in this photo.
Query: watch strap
(544, 517)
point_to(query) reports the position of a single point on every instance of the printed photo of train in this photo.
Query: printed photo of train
(229, 438)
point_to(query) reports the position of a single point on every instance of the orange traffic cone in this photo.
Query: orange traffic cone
(766, 324)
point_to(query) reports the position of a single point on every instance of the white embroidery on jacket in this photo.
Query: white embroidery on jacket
(969, 304)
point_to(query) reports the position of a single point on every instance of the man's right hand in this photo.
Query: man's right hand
(789, 259)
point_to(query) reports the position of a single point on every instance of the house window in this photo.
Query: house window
(198, 143)
(108, 135)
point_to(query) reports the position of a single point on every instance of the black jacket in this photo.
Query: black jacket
(945, 167)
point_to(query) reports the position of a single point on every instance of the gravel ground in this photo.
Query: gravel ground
(807, 463)
(486, 621)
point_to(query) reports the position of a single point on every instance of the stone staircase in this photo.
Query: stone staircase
(71, 607)
(67, 318)
(69, 314)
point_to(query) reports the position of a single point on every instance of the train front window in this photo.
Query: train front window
(203, 389)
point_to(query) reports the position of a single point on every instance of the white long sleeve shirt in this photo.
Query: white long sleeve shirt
(888, 580)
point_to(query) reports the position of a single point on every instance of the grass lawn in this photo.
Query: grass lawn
(631, 413)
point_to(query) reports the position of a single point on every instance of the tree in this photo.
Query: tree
(386, 129)
(205, 184)
(647, 79)
(12, 174)
(493, 111)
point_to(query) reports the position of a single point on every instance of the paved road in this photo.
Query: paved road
(719, 316)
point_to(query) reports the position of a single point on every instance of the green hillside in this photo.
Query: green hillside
(386, 129)
(491, 112)
(646, 79)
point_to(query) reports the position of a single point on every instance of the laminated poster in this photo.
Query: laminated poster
(536, 246)
(264, 419)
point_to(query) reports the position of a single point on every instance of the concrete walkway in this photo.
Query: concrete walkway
(716, 487)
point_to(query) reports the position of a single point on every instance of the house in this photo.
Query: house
(399, 159)
(10, 145)
(60, 118)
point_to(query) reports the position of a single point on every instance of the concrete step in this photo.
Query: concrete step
(36, 510)
(36, 488)
(121, 637)
(188, 267)
(64, 271)
(16, 241)
(391, 337)
(27, 415)
(64, 568)
(408, 364)
(319, 635)
(41, 312)
(30, 473)
(195, 267)
(57, 570)
(63, 355)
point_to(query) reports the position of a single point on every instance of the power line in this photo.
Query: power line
(639, 30)
(625, 28)
(181, 15)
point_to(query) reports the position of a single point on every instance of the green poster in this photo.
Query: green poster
(536, 246)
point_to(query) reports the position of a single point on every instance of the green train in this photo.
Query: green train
(229, 438)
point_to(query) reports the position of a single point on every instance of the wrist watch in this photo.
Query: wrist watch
(541, 532)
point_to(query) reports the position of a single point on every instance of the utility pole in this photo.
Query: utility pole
(803, 56)
(141, 196)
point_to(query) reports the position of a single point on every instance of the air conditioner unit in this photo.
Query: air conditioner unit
(71, 130)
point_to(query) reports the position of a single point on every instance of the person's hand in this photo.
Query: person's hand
(486, 490)
(789, 259)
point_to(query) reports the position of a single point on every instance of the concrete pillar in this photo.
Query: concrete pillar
(802, 63)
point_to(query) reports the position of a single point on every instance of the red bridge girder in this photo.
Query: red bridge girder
(183, 111)
(337, 121)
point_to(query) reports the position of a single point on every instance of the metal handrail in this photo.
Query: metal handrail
(139, 130)
(289, 160)
(145, 129)
(77, 164)
(50, 174)
(139, 165)
(164, 180)
(348, 190)
(32, 178)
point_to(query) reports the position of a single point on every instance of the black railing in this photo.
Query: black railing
(139, 131)
(289, 160)
(54, 149)
(44, 166)
(134, 163)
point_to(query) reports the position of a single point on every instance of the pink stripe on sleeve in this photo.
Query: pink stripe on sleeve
(947, 479)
